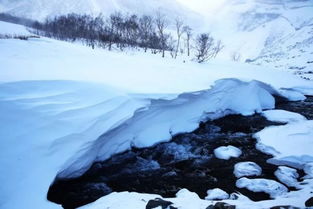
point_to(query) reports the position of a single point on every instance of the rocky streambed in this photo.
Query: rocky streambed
(187, 161)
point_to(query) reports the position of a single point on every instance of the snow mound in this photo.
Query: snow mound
(186, 194)
(247, 169)
(216, 194)
(297, 141)
(271, 187)
(288, 176)
(282, 116)
(226, 152)
(163, 119)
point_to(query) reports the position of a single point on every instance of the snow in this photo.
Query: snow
(247, 169)
(226, 152)
(216, 194)
(308, 169)
(288, 176)
(12, 29)
(271, 187)
(50, 124)
(297, 139)
(282, 116)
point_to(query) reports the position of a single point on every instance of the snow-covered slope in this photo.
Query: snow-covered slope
(267, 32)
(41, 9)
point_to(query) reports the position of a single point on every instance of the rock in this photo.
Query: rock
(221, 205)
(288, 176)
(284, 207)
(158, 203)
(309, 202)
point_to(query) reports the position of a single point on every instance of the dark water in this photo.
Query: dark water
(187, 161)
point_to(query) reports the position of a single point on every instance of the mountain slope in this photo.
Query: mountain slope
(267, 32)
(41, 9)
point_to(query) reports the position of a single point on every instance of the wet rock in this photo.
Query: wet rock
(309, 202)
(159, 203)
(221, 205)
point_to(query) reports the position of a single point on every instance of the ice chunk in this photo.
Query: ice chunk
(226, 152)
(216, 194)
(288, 176)
(271, 187)
(282, 116)
(247, 169)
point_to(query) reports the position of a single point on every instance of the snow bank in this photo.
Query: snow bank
(216, 194)
(282, 116)
(290, 144)
(163, 119)
(247, 169)
(288, 176)
(45, 123)
(226, 152)
(271, 187)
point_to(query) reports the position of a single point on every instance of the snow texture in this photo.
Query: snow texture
(226, 152)
(297, 139)
(216, 194)
(247, 169)
(271, 187)
(288, 176)
(282, 116)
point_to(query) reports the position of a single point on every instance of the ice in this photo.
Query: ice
(271, 187)
(282, 116)
(216, 194)
(226, 152)
(288, 176)
(247, 169)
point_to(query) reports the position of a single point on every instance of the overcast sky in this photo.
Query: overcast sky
(202, 5)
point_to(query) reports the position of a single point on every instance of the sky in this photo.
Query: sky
(202, 6)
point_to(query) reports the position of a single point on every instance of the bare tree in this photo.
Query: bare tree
(218, 47)
(161, 24)
(146, 29)
(188, 32)
(236, 56)
(179, 31)
(204, 45)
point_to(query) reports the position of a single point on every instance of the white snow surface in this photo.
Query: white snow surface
(282, 116)
(297, 141)
(247, 169)
(216, 194)
(271, 187)
(288, 176)
(12, 29)
(47, 124)
(227, 152)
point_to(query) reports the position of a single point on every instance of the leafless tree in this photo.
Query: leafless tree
(146, 29)
(236, 56)
(179, 32)
(188, 32)
(204, 45)
(161, 24)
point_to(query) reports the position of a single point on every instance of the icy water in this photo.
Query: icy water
(187, 161)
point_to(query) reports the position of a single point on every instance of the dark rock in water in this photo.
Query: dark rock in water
(158, 203)
(302, 107)
(187, 161)
(284, 207)
(221, 205)
(309, 202)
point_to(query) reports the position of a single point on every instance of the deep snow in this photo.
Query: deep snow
(46, 124)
